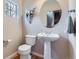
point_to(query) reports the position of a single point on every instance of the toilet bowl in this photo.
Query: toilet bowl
(25, 49)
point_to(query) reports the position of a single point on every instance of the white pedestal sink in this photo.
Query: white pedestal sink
(47, 44)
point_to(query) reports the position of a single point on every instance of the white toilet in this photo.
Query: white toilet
(25, 49)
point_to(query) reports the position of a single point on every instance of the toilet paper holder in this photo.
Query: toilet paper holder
(5, 42)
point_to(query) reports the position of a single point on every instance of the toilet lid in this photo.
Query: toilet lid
(24, 47)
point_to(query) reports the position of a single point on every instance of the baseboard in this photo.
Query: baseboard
(37, 54)
(15, 53)
(12, 55)
(34, 53)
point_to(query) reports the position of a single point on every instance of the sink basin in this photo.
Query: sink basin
(48, 37)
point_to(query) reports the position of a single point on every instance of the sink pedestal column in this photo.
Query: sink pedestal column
(47, 49)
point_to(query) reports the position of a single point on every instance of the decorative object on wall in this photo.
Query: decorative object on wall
(10, 8)
(49, 5)
(30, 14)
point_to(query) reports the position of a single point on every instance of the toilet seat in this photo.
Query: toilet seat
(24, 49)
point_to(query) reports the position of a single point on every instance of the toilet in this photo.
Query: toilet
(25, 49)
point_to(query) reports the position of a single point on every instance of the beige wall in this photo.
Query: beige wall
(13, 31)
(72, 4)
(64, 4)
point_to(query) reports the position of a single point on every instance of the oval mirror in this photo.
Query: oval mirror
(50, 13)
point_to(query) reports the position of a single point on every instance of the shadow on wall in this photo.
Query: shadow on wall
(61, 48)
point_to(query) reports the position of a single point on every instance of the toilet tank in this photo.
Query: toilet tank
(30, 39)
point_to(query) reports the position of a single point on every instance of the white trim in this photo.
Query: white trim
(37, 54)
(12, 55)
(15, 53)
(34, 53)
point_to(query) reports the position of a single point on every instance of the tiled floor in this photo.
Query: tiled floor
(33, 57)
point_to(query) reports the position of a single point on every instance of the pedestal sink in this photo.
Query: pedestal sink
(47, 44)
